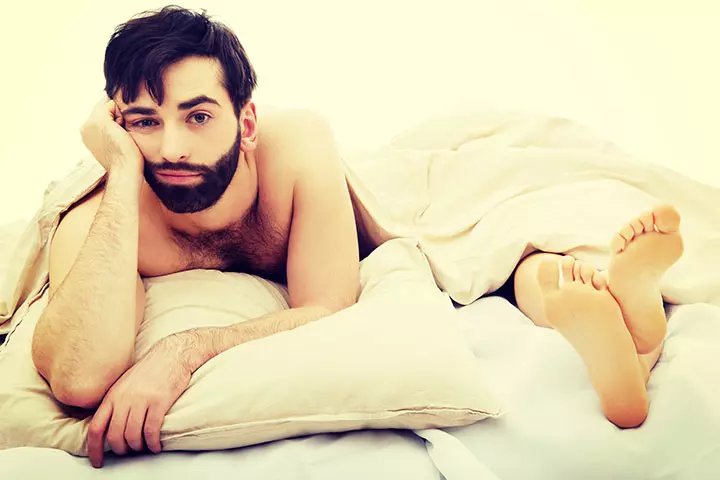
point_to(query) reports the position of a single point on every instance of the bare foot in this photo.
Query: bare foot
(587, 315)
(642, 252)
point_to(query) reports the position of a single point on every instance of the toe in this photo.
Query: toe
(667, 218)
(548, 276)
(618, 243)
(637, 226)
(599, 280)
(586, 273)
(648, 221)
(567, 265)
(627, 232)
(577, 267)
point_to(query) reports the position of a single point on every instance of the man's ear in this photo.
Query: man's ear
(248, 126)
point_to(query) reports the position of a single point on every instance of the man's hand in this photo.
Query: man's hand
(103, 134)
(136, 405)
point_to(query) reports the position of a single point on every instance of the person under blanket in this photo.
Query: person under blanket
(198, 177)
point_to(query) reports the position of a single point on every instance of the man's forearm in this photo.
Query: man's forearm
(89, 322)
(199, 345)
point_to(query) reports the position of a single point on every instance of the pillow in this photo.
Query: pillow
(394, 360)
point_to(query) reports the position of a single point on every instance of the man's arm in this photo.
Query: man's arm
(323, 258)
(84, 339)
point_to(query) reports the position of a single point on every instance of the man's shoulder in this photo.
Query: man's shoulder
(282, 127)
(294, 139)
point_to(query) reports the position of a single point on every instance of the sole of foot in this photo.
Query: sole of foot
(582, 310)
(642, 251)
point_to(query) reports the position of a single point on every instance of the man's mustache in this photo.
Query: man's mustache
(179, 167)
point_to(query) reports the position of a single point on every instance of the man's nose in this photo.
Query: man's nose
(174, 145)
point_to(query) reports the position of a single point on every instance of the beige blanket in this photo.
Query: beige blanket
(478, 191)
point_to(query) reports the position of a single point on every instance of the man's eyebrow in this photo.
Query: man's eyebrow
(186, 105)
(193, 102)
(139, 111)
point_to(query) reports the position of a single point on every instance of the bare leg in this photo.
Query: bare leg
(642, 251)
(587, 315)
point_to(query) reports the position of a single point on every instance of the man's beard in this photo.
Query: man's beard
(191, 199)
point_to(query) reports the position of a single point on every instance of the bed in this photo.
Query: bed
(552, 427)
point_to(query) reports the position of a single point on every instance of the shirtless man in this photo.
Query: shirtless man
(197, 178)
(223, 190)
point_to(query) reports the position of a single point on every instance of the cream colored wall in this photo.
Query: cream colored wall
(644, 73)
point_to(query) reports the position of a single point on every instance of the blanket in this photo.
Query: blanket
(478, 191)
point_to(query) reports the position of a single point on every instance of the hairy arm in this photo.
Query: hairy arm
(84, 339)
(323, 259)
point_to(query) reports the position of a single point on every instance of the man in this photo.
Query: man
(222, 189)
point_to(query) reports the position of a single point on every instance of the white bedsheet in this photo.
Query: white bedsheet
(554, 428)
(360, 455)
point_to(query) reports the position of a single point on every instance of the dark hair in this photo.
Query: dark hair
(141, 49)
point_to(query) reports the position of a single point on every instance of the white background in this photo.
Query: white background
(644, 73)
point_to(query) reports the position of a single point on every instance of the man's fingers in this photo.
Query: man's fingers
(116, 430)
(116, 114)
(134, 427)
(96, 433)
(153, 422)
(107, 106)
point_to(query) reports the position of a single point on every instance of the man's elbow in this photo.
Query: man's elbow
(85, 388)
(73, 389)
(83, 393)
(78, 383)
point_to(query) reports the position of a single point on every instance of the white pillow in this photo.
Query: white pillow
(394, 360)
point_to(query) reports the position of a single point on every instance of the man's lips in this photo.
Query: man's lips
(178, 176)
(178, 173)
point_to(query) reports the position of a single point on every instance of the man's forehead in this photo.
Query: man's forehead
(187, 79)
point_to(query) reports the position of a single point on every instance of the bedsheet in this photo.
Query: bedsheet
(553, 429)
(360, 455)
(10, 234)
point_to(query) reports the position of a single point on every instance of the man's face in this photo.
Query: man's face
(191, 143)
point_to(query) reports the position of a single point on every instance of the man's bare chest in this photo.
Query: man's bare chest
(256, 246)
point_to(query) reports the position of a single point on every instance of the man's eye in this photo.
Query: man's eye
(144, 123)
(201, 118)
